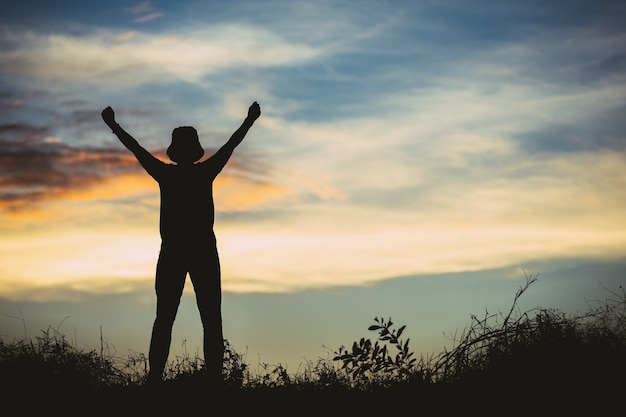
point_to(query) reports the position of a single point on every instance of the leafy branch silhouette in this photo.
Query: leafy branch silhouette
(369, 362)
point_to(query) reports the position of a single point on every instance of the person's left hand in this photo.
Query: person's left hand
(254, 111)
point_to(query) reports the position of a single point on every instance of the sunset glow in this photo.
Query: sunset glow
(402, 139)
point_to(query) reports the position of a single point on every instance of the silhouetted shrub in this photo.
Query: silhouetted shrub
(51, 362)
(386, 361)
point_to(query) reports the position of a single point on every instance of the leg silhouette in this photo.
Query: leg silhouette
(205, 277)
(170, 281)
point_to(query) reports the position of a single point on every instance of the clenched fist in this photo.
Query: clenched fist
(254, 111)
(108, 115)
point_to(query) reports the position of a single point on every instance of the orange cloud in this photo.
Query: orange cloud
(102, 197)
(235, 193)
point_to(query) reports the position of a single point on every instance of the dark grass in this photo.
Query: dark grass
(540, 362)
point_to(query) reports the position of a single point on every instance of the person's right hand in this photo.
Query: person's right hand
(108, 115)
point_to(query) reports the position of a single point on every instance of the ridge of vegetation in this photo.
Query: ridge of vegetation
(541, 355)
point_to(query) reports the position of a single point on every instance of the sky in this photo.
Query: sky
(414, 160)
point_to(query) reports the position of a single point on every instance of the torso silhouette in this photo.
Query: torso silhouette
(187, 210)
(186, 202)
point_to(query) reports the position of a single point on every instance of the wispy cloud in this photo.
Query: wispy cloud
(143, 12)
(143, 57)
(37, 167)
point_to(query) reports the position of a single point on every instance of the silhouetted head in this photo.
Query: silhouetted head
(185, 147)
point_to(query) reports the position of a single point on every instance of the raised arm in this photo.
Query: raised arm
(221, 157)
(145, 158)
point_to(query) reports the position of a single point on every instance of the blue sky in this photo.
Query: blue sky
(412, 159)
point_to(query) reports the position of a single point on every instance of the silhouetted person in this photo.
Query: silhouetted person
(188, 242)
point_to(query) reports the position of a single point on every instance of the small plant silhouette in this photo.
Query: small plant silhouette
(367, 362)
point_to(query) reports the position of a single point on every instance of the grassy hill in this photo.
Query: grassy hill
(540, 361)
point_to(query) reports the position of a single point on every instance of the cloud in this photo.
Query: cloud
(142, 58)
(41, 168)
(124, 37)
(42, 177)
(360, 251)
(595, 132)
(83, 259)
(10, 102)
(140, 8)
(235, 193)
(433, 188)
(148, 17)
(143, 11)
